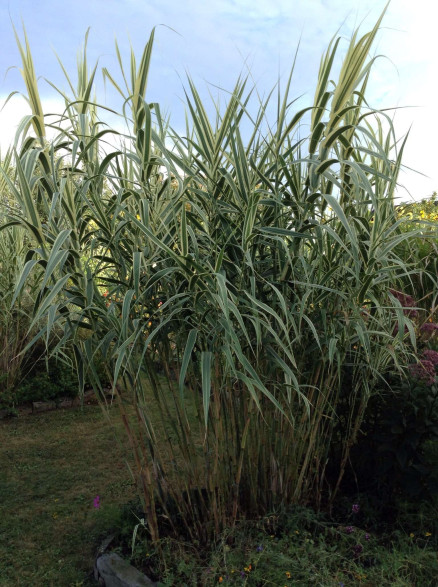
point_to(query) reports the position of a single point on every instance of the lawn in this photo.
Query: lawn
(52, 466)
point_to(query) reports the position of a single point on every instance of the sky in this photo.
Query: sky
(214, 41)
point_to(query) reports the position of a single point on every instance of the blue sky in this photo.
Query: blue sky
(213, 40)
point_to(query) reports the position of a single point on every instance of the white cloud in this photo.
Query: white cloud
(16, 109)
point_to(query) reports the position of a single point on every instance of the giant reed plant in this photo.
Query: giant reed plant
(15, 310)
(235, 282)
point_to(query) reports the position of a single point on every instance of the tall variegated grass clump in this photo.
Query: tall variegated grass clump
(236, 282)
(15, 310)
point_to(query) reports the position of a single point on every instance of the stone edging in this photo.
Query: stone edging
(111, 570)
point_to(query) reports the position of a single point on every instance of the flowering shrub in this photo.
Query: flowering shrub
(421, 251)
(426, 209)
(391, 457)
(431, 356)
(429, 327)
(423, 371)
(407, 302)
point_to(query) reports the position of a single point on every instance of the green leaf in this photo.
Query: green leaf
(191, 340)
(206, 360)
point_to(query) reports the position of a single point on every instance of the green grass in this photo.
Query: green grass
(52, 466)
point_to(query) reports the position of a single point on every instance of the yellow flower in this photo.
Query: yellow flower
(428, 534)
(288, 575)
(411, 535)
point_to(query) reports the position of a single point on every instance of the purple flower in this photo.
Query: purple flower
(355, 508)
(411, 313)
(259, 548)
(357, 549)
(431, 356)
(429, 327)
(96, 502)
(349, 529)
(405, 300)
(367, 536)
(423, 371)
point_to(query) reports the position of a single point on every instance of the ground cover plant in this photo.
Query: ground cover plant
(298, 547)
(249, 280)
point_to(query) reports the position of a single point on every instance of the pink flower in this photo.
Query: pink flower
(96, 502)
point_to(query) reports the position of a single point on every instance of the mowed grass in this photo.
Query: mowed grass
(52, 465)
